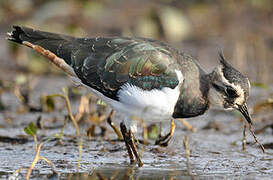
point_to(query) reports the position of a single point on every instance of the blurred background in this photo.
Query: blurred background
(242, 28)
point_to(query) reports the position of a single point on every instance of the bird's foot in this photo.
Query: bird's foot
(130, 145)
(164, 140)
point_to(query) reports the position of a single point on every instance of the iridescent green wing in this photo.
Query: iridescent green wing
(143, 64)
(106, 64)
(111, 63)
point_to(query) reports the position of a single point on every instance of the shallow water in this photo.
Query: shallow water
(216, 153)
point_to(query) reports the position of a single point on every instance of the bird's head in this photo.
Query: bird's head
(229, 88)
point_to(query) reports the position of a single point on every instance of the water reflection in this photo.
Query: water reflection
(129, 172)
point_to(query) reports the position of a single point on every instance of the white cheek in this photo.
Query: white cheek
(248, 84)
(239, 100)
(235, 106)
(240, 92)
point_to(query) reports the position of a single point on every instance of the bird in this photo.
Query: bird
(141, 77)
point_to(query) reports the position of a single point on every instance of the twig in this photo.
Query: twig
(16, 173)
(254, 136)
(188, 152)
(206, 166)
(37, 158)
(48, 162)
(68, 106)
(244, 138)
(144, 132)
(36, 142)
(67, 102)
(100, 176)
(62, 130)
(80, 154)
(18, 94)
(187, 125)
(83, 107)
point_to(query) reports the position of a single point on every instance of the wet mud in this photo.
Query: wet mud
(215, 148)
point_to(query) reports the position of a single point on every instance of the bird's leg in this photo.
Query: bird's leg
(130, 144)
(244, 138)
(133, 147)
(164, 140)
(113, 126)
(125, 135)
(187, 125)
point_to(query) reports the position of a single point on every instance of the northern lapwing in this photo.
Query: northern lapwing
(141, 77)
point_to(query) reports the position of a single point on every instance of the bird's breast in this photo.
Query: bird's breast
(153, 105)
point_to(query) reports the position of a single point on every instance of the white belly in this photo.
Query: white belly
(154, 105)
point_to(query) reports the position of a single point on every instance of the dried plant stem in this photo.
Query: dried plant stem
(187, 125)
(62, 130)
(144, 132)
(83, 107)
(16, 173)
(35, 141)
(188, 152)
(160, 129)
(18, 94)
(244, 138)
(68, 106)
(37, 158)
(48, 162)
(100, 176)
(255, 138)
(80, 154)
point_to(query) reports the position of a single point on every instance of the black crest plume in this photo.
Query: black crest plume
(222, 59)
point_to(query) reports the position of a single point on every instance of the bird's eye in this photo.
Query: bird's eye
(231, 92)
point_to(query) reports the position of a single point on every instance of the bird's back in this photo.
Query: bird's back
(107, 64)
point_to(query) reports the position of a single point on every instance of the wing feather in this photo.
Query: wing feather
(144, 64)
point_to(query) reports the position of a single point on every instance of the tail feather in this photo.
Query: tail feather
(55, 47)
(60, 45)
(15, 35)
(21, 33)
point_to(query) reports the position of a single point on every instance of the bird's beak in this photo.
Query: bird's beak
(243, 109)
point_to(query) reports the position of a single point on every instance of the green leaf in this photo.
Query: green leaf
(100, 102)
(31, 129)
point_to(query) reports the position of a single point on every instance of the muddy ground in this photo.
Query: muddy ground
(242, 29)
(216, 150)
